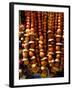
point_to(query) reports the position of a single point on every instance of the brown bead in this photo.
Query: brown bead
(50, 25)
(50, 57)
(26, 38)
(45, 25)
(45, 28)
(40, 30)
(36, 35)
(36, 43)
(34, 69)
(51, 49)
(57, 48)
(58, 39)
(39, 21)
(32, 45)
(50, 35)
(39, 27)
(59, 17)
(42, 54)
(27, 26)
(43, 63)
(31, 53)
(60, 23)
(59, 27)
(37, 47)
(41, 37)
(32, 39)
(25, 54)
(44, 34)
(51, 64)
(40, 46)
(59, 20)
(44, 42)
(27, 17)
(44, 22)
(37, 51)
(59, 30)
(21, 27)
(40, 42)
(28, 20)
(44, 31)
(32, 25)
(58, 56)
(26, 62)
(39, 24)
(28, 23)
(45, 38)
(52, 42)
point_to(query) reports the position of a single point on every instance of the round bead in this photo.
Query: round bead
(49, 57)
(57, 48)
(51, 49)
(58, 39)
(58, 56)
(21, 27)
(41, 54)
(43, 63)
(26, 62)
(41, 42)
(40, 46)
(31, 53)
(25, 54)
(41, 37)
(59, 31)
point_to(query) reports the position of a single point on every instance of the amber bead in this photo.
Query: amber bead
(50, 35)
(25, 54)
(50, 57)
(34, 69)
(26, 62)
(31, 53)
(57, 48)
(58, 39)
(40, 46)
(59, 31)
(51, 49)
(43, 63)
(40, 42)
(41, 37)
(42, 54)
(32, 45)
(58, 56)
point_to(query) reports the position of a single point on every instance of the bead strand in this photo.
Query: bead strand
(44, 69)
(34, 66)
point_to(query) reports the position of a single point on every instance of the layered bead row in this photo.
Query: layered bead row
(41, 43)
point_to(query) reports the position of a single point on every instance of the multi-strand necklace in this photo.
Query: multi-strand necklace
(41, 44)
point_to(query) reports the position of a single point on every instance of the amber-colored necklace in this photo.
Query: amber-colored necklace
(42, 42)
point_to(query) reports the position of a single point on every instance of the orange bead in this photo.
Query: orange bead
(41, 54)
(31, 53)
(57, 48)
(43, 63)
(51, 49)
(41, 37)
(40, 46)
(49, 57)
(58, 56)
